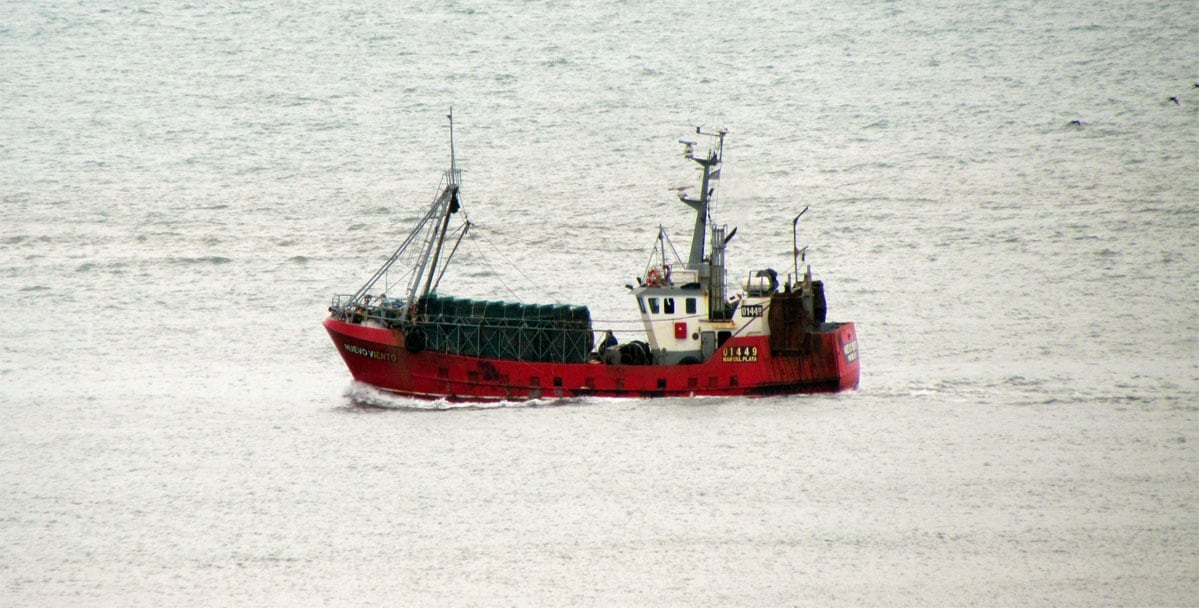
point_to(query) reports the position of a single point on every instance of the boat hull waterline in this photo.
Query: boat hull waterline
(743, 366)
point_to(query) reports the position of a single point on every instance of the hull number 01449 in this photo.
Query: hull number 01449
(752, 310)
(740, 354)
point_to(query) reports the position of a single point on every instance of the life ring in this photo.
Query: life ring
(657, 276)
(653, 277)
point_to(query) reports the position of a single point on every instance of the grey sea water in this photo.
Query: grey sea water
(183, 186)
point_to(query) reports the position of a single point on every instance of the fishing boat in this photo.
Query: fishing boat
(695, 336)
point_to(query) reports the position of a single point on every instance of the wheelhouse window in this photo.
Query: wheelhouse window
(641, 304)
(690, 306)
(668, 305)
(653, 305)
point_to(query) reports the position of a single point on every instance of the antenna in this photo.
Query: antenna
(453, 166)
(795, 241)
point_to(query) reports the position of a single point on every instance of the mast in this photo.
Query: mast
(715, 262)
(445, 224)
(446, 205)
(711, 171)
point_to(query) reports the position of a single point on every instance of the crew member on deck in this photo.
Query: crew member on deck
(608, 353)
(609, 341)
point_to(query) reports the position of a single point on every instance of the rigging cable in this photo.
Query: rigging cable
(464, 228)
(524, 276)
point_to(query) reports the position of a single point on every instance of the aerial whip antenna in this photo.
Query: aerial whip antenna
(795, 241)
(453, 165)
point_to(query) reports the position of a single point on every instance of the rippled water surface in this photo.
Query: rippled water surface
(1004, 198)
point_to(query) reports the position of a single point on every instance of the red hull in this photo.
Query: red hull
(742, 366)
